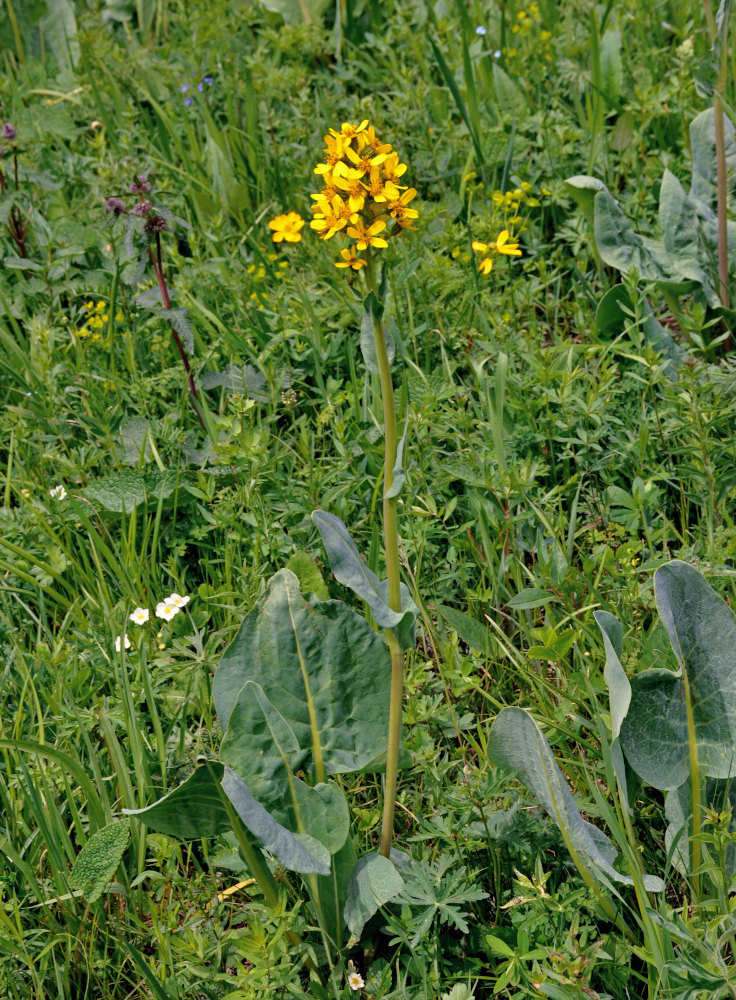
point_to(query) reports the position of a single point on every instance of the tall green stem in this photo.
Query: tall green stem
(391, 550)
(724, 289)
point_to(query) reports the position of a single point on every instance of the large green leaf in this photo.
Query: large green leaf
(60, 31)
(683, 238)
(321, 667)
(622, 248)
(517, 743)
(332, 891)
(126, 490)
(375, 882)
(654, 734)
(350, 569)
(192, 810)
(196, 809)
(296, 851)
(703, 183)
(721, 797)
(262, 748)
(584, 189)
(619, 689)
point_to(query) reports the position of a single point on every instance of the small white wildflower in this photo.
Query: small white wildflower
(497, 54)
(355, 981)
(166, 611)
(140, 616)
(119, 640)
(58, 493)
(177, 601)
(480, 30)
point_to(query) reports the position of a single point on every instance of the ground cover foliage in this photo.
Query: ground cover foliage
(569, 433)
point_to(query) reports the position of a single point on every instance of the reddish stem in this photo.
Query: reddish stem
(158, 271)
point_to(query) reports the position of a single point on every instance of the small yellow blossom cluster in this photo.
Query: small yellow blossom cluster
(95, 320)
(503, 244)
(261, 280)
(362, 193)
(526, 28)
(515, 202)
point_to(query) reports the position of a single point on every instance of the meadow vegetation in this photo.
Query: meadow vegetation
(500, 353)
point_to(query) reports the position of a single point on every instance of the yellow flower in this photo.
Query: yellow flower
(350, 180)
(400, 211)
(348, 131)
(286, 227)
(368, 237)
(371, 141)
(392, 169)
(334, 151)
(486, 265)
(502, 245)
(350, 259)
(366, 161)
(331, 216)
(381, 189)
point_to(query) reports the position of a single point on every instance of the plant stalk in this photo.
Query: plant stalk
(159, 272)
(724, 286)
(391, 551)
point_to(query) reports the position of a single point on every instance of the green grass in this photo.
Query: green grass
(543, 454)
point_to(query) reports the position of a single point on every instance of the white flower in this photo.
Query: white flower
(480, 30)
(58, 493)
(140, 616)
(176, 600)
(497, 54)
(355, 981)
(119, 640)
(166, 611)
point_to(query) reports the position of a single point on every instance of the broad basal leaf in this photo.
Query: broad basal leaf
(192, 810)
(322, 668)
(261, 747)
(296, 851)
(654, 734)
(683, 238)
(374, 883)
(516, 743)
(703, 144)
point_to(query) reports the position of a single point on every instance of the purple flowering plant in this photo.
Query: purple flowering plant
(17, 220)
(143, 226)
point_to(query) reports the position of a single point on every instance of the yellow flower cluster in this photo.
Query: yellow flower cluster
(503, 244)
(531, 39)
(96, 319)
(514, 202)
(262, 281)
(362, 193)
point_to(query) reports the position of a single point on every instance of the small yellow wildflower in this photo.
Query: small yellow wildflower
(503, 244)
(286, 227)
(368, 237)
(350, 259)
